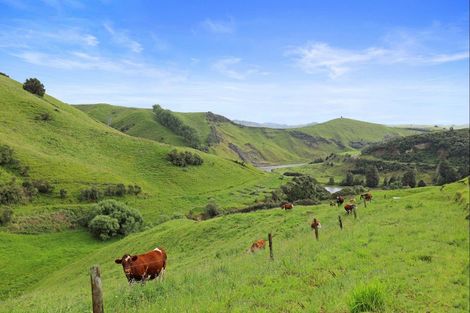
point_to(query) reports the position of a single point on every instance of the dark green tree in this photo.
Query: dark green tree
(304, 187)
(421, 183)
(34, 86)
(445, 173)
(372, 176)
(409, 178)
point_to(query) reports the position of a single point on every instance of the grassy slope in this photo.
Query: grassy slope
(276, 146)
(347, 130)
(417, 246)
(74, 151)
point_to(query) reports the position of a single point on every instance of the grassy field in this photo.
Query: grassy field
(412, 248)
(258, 145)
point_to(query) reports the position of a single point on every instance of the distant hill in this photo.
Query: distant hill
(257, 145)
(452, 145)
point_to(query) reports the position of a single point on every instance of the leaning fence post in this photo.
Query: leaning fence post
(316, 232)
(270, 238)
(365, 202)
(354, 211)
(340, 222)
(96, 290)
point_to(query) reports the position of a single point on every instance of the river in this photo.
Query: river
(270, 168)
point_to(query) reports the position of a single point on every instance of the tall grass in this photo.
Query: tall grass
(368, 298)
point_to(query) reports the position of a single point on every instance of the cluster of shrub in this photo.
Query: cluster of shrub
(13, 192)
(169, 120)
(8, 161)
(119, 190)
(184, 158)
(110, 218)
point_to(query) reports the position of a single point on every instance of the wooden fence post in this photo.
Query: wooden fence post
(340, 222)
(96, 290)
(355, 214)
(316, 232)
(365, 202)
(270, 238)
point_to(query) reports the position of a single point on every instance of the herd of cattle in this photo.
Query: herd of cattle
(152, 264)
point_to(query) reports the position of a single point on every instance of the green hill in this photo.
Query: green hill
(252, 144)
(64, 146)
(452, 145)
(413, 243)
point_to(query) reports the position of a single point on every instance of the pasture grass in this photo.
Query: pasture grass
(376, 262)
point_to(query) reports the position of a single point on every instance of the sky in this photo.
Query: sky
(290, 62)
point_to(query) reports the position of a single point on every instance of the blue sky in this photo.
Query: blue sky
(289, 62)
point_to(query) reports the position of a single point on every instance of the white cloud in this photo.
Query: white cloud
(231, 67)
(121, 38)
(78, 60)
(219, 26)
(321, 57)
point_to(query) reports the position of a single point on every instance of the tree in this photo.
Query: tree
(331, 181)
(409, 178)
(128, 219)
(34, 86)
(421, 183)
(211, 210)
(372, 176)
(445, 173)
(349, 180)
(385, 182)
(304, 187)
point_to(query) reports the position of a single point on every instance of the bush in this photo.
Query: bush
(421, 183)
(184, 158)
(331, 181)
(104, 227)
(63, 193)
(43, 186)
(6, 215)
(292, 174)
(44, 117)
(11, 193)
(91, 194)
(128, 219)
(409, 178)
(6, 154)
(29, 189)
(34, 86)
(304, 187)
(211, 210)
(368, 298)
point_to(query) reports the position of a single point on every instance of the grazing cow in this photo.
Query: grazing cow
(367, 196)
(349, 208)
(315, 224)
(258, 245)
(287, 206)
(339, 200)
(145, 266)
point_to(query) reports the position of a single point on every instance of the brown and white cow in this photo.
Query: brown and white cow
(145, 266)
(349, 207)
(257, 245)
(339, 200)
(315, 224)
(287, 206)
(367, 196)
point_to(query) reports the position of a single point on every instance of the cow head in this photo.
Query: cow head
(126, 262)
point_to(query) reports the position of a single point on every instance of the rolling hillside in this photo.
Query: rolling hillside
(412, 244)
(252, 144)
(64, 146)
